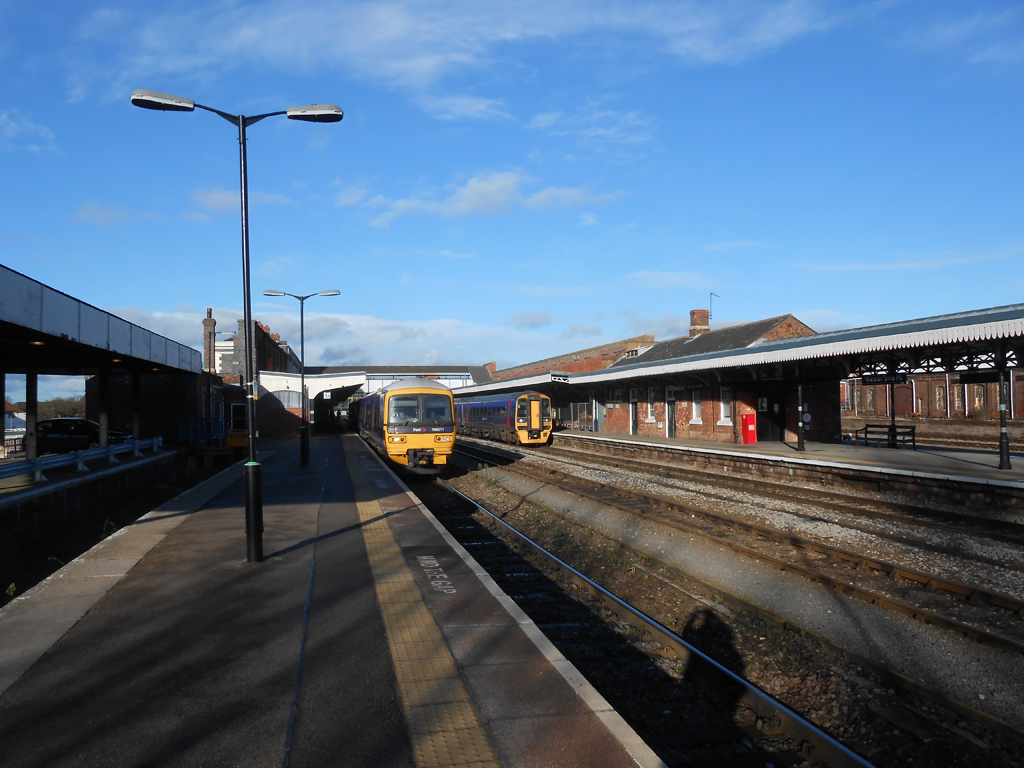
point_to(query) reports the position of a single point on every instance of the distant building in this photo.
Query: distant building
(227, 357)
(14, 418)
(592, 359)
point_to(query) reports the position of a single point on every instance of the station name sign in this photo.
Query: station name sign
(884, 378)
(979, 377)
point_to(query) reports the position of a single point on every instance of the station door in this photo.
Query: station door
(771, 418)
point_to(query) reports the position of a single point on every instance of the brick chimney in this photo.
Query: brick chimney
(491, 367)
(209, 341)
(699, 321)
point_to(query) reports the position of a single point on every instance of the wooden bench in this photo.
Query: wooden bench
(881, 433)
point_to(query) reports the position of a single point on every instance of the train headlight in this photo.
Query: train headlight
(442, 438)
(397, 439)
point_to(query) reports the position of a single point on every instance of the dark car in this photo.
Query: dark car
(71, 434)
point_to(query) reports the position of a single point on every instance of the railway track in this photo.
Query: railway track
(914, 712)
(690, 708)
(979, 613)
(931, 517)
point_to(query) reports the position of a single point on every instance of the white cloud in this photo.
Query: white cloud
(594, 126)
(979, 37)
(667, 326)
(577, 330)
(530, 319)
(925, 263)
(352, 195)
(20, 132)
(458, 107)
(216, 200)
(589, 220)
(345, 339)
(101, 215)
(487, 194)
(416, 44)
(270, 198)
(49, 387)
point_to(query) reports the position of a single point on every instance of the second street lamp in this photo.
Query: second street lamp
(304, 426)
(314, 113)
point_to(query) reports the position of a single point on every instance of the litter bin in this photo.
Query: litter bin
(749, 428)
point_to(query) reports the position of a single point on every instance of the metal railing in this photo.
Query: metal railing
(78, 459)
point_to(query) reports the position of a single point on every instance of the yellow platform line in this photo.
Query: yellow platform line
(444, 726)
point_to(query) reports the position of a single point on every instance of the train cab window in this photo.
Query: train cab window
(522, 409)
(545, 409)
(403, 409)
(431, 410)
(437, 410)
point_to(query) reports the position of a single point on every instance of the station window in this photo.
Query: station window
(695, 404)
(979, 396)
(940, 400)
(650, 403)
(725, 407)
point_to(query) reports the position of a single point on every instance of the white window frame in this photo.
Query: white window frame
(650, 405)
(696, 408)
(724, 407)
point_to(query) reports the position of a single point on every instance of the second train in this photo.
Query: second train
(519, 418)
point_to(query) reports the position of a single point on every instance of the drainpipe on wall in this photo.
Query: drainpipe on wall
(1013, 409)
(948, 398)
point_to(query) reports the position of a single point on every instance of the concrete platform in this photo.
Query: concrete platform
(945, 463)
(367, 637)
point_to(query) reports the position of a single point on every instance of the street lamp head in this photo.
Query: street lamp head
(329, 293)
(162, 101)
(274, 293)
(316, 113)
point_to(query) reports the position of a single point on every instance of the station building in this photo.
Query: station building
(778, 380)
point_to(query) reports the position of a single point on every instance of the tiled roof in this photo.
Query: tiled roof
(734, 337)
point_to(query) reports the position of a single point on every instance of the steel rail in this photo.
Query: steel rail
(951, 522)
(817, 498)
(852, 590)
(773, 717)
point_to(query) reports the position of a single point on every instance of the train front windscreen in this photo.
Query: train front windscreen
(423, 410)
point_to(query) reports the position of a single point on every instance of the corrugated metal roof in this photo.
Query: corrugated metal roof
(984, 324)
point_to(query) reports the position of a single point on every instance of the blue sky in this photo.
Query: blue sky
(516, 180)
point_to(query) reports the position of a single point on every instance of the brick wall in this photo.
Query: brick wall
(788, 329)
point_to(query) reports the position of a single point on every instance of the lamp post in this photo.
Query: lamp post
(315, 113)
(304, 427)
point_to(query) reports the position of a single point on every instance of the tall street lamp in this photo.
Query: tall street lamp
(314, 113)
(304, 427)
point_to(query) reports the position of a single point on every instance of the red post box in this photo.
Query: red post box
(749, 428)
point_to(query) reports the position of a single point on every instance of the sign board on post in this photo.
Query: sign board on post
(884, 378)
(979, 377)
